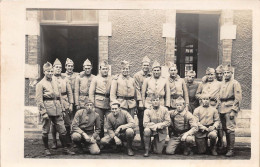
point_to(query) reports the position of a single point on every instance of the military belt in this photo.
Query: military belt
(84, 94)
(177, 133)
(48, 99)
(64, 93)
(101, 94)
(227, 99)
(126, 98)
(160, 96)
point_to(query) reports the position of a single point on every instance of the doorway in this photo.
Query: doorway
(196, 42)
(75, 42)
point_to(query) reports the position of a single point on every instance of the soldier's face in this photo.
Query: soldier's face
(69, 67)
(227, 75)
(190, 78)
(157, 72)
(173, 71)
(219, 76)
(57, 69)
(48, 73)
(89, 107)
(104, 71)
(125, 71)
(87, 69)
(205, 101)
(210, 76)
(146, 66)
(156, 102)
(115, 109)
(180, 107)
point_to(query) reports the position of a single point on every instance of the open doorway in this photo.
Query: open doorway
(196, 42)
(75, 42)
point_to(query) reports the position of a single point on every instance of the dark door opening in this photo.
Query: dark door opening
(196, 42)
(75, 42)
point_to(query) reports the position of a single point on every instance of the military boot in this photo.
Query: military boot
(68, 135)
(231, 143)
(79, 147)
(213, 147)
(220, 143)
(54, 139)
(64, 142)
(147, 142)
(129, 147)
(45, 142)
(187, 150)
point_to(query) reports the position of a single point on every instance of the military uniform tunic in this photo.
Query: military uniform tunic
(71, 77)
(193, 101)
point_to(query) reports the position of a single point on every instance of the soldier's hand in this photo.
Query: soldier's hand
(204, 128)
(117, 140)
(92, 140)
(160, 126)
(211, 128)
(232, 115)
(63, 113)
(184, 137)
(118, 131)
(45, 116)
(86, 137)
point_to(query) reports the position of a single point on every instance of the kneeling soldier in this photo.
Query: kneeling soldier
(120, 126)
(208, 122)
(48, 102)
(156, 120)
(86, 128)
(184, 127)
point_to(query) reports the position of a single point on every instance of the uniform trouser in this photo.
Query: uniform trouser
(157, 145)
(202, 142)
(140, 116)
(93, 148)
(129, 134)
(102, 113)
(228, 125)
(175, 141)
(131, 111)
(58, 123)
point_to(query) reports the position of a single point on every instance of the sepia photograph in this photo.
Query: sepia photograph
(132, 82)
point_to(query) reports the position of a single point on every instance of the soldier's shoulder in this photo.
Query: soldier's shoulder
(80, 111)
(115, 77)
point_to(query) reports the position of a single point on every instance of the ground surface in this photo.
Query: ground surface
(33, 148)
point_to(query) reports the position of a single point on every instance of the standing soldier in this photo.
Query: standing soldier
(123, 90)
(230, 97)
(184, 127)
(120, 128)
(139, 79)
(99, 93)
(86, 128)
(71, 77)
(82, 85)
(192, 87)
(208, 122)
(156, 121)
(211, 87)
(156, 84)
(48, 102)
(66, 95)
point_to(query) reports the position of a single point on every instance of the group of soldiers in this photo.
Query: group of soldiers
(76, 104)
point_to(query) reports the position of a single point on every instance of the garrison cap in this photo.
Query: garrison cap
(125, 63)
(114, 102)
(47, 66)
(146, 60)
(180, 100)
(205, 95)
(210, 70)
(154, 96)
(191, 73)
(156, 64)
(104, 63)
(87, 63)
(69, 61)
(228, 67)
(219, 69)
(57, 62)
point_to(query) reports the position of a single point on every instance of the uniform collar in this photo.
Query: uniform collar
(69, 73)
(175, 79)
(147, 74)
(183, 112)
(48, 79)
(125, 77)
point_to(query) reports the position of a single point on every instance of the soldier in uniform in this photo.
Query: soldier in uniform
(211, 87)
(156, 84)
(120, 126)
(139, 79)
(82, 85)
(86, 128)
(99, 93)
(184, 127)
(208, 122)
(71, 77)
(230, 97)
(219, 73)
(156, 121)
(48, 102)
(66, 95)
(123, 90)
(192, 87)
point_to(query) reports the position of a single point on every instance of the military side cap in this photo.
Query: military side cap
(87, 63)
(228, 67)
(57, 62)
(104, 64)
(180, 100)
(125, 63)
(204, 95)
(154, 96)
(69, 61)
(156, 64)
(89, 101)
(191, 73)
(47, 66)
(219, 69)
(210, 70)
(114, 102)
(146, 60)
(171, 64)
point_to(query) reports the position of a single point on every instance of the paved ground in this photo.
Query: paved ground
(33, 148)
